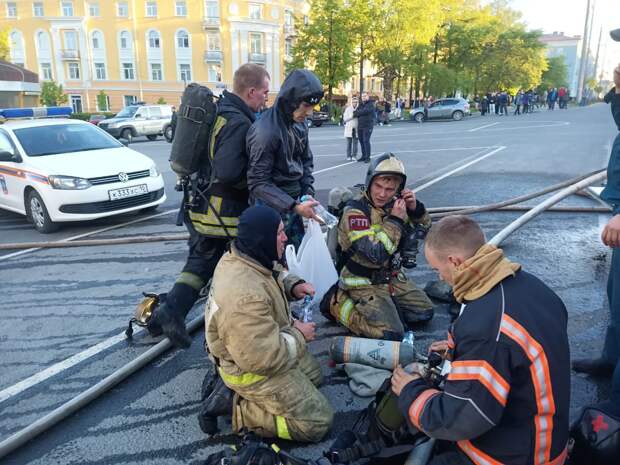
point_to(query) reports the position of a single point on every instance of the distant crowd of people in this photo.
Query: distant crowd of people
(524, 101)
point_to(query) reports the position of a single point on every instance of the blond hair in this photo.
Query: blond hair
(455, 234)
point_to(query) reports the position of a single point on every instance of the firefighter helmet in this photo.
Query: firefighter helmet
(386, 164)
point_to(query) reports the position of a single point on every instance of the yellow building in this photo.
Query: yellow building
(144, 50)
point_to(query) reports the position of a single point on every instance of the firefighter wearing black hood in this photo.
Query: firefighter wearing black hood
(374, 297)
(212, 220)
(280, 160)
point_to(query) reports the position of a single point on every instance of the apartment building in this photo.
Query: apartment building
(147, 50)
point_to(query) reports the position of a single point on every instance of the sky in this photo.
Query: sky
(568, 16)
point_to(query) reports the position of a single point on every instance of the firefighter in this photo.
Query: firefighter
(214, 214)
(374, 297)
(506, 396)
(260, 351)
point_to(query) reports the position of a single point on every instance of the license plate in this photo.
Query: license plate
(125, 192)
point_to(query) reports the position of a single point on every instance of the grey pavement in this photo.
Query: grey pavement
(57, 303)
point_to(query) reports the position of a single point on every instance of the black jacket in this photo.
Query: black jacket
(365, 115)
(506, 398)
(227, 197)
(613, 97)
(281, 162)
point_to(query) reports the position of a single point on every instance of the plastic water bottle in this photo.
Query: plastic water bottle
(327, 218)
(306, 309)
(408, 338)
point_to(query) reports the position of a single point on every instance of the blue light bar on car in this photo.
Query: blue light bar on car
(38, 112)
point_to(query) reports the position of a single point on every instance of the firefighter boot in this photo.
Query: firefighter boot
(219, 402)
(170, 315)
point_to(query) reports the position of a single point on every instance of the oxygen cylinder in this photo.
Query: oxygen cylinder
(372, 352)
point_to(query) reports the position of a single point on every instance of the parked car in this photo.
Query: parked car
(445, 108)
(96, 119)
(139, 120)
(58, 170)
(318, 118)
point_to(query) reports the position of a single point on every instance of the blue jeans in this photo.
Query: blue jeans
(364, 138)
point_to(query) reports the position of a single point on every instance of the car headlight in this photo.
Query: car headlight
(153, 171)
(68, 182)
(112, 125)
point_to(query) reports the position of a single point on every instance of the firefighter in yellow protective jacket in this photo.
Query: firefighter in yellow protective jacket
(374, 297)
(259, 350)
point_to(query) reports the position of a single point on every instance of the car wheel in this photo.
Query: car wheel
(126, 134)
(457, 115)
(152, 137)
(37, 213)
(418, 117)
(168, 133)
(318, 124)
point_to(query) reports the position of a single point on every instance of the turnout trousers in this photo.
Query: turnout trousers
(372, 310)
(287, 406)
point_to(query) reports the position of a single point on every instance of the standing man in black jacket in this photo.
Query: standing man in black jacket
(365, 123)
(280, 160)
(222, 197)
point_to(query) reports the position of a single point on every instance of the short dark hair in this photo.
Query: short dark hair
(455, 233)
(248, 76)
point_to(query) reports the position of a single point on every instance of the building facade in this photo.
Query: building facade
(147, 50)
(559, 44)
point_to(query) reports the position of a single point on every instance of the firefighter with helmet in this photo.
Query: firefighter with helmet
(373, 297)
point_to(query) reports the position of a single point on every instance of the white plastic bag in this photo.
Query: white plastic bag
(313, 262)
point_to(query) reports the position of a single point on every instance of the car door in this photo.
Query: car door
(141, 121)
(12, 178)
(155, 120)
(434, 111)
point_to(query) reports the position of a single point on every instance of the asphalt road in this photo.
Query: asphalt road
(64, 310)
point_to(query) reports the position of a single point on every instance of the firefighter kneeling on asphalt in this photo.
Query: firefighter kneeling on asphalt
(373, 297)
(259, 350)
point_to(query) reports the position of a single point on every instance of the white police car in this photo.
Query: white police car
(55, 170)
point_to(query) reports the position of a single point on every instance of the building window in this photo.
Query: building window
(129, 100)
(76, 103)
(214, 43)
(128, 74)
(288, 18)
(105, 106)
(181, 8)
(288, 48)
(46, 71)
(156, 74)
(151, 9)
(182, 39)
(256, 11)
(71, 40)
(215, 73)
(256, 42)
(74, 71)
(185, 72)
(93, 10)
(67, 8)
(154, 41)
(306, 20)
(122, 9)
(11, 10)
(212, 9)
(43, 42)
(124, 40)
(37, 9)
(97, 40)
(100, 73)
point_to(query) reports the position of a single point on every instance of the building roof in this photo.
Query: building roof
(557, 37)
(15, 73)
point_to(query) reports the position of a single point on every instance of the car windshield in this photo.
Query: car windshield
(63, 138)
(127, 112)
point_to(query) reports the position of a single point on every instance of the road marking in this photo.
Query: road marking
(458, 168)
(80, 236)
(414, 151)
(43, 375)
(482, 127)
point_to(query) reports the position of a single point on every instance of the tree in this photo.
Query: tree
(102, 101)
(556, 74)
(5, 44)
(324, 44)
(52, 94)
(161, 101)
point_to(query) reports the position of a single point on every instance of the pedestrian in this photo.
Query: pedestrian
(525, 102)
(280, 160)
(387, 109)
(173, 124)
(364, 115)
(491, 98)
(503, 103)
(505, 399)
(552, 97)
(259, 349)
(484, 105)
(214, 214)
(374, 297)
(518, 102)
(604, 365)
(350, 128)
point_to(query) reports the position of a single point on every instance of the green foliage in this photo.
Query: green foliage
(4, 44)
(102, 101)
(161, 101)
(52, 94)
(556, 74)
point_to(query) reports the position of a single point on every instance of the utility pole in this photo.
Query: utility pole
(584, 54)
(598, 51)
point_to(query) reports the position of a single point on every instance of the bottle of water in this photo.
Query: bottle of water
(329, 219)
(306, 309)
(408, 338)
